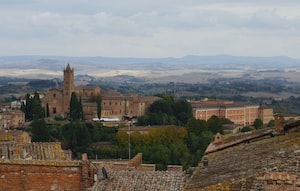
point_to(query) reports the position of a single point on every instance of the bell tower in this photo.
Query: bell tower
(68, 88)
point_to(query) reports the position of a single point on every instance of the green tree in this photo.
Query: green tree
(142, 120)
(76, 111)
(33, 107)
(40, 132)
(37, 107)
(258, 124)
(196, 126)
(47, 113)
(76, 135)
(122, 138)
(167, 111)
(83, 135)
(246, 129)
(182, 111)
(80, 108)
(214, 124)
(161, 106)
(271, 123)
(169, 99)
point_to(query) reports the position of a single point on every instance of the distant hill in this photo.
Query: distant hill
(192, 60)
(157, 69)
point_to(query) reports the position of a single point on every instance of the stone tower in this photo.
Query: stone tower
(68, 88)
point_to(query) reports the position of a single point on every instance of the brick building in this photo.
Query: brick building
(41, 166)
(240, 113)
(114, 104)
(265, 114)
(11, 119)
(117, 105)
(58, 99)
(15, 136)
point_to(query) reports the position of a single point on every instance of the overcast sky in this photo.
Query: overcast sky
(152, 28)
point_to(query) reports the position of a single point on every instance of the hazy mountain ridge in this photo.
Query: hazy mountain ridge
(236, 61)
(150, 68)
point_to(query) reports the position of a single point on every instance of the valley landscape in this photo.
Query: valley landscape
(270, 81)
(188, 69)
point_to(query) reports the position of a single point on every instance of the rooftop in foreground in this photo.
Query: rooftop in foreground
(252, 162)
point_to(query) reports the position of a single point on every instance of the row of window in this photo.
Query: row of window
(110, 103)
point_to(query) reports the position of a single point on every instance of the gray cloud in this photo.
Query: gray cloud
(149, 28)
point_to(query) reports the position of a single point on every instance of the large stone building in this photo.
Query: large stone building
(114, 104)
(117, 105)
(58, 99)
(240, 113)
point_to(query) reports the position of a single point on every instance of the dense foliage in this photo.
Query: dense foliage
(76, 111)
(167, 111)
(181, 140)
(258, 124)
(39, 132)
(165, 145)
(33, 107)
(160, 146)
(34, 112)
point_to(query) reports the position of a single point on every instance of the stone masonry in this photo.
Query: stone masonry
(36, 175)
(42, 167)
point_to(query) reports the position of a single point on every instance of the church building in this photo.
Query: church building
(113, 104)
(58, 99)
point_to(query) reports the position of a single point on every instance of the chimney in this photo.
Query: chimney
(84, 157)
(279, 123)
(218, 139)
(205, 161)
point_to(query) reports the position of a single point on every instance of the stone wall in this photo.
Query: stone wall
(134, 164)
(34, 175)
(111, 165)
(175, 168)
(136, 161)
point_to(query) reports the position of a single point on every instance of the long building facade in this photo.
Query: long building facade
(117, 105)
(240, 113)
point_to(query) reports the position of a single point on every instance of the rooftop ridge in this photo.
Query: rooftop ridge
(41, 162)
(212, 147)
(143, 180)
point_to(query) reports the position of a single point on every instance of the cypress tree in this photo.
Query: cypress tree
(76, 111)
